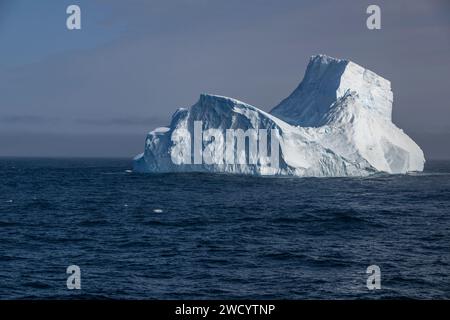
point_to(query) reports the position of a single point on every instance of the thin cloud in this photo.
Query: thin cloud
(26, 119)
(130, 121)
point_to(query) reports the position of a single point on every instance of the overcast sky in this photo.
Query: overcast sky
(97, 91)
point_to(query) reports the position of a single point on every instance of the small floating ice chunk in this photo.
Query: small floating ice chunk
(129, 171)
(9, 201)
(157, 210)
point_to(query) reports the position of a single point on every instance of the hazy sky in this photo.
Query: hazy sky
(99, 90)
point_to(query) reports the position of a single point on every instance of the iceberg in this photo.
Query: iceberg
(336, 123)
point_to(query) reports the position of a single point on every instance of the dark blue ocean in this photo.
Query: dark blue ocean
(219, 236)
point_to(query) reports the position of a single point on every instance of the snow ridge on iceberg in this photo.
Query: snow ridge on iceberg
(337, 122)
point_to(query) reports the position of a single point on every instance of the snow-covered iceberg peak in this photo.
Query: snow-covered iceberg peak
(328, 79)
(336, 123)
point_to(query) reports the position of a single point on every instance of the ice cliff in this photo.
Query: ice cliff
(337, 122)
